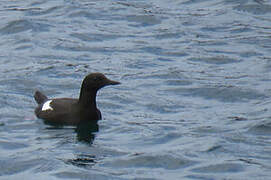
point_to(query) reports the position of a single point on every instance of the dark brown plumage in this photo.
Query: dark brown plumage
(68, 111)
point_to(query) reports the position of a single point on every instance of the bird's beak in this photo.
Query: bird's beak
(110, 82)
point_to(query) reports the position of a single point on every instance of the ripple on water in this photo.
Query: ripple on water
(164, 107)
(40, 11)
(254, 8)
(22, 25)
(144, 20)
(91, 37)
(261, 129)
(8, 168)
(163, 52)
(215, 60)
(81, 174)
(178, 82)
(165, 161)
(86, 14)
(12, 145)
(240, 29)
(220, 168)
(224, 94)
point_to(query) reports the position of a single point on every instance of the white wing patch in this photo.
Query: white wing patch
(46, 106)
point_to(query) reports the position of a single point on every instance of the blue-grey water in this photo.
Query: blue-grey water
(195, 98)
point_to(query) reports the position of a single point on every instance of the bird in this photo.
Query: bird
(71, 111)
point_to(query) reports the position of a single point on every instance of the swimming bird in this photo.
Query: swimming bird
(69, 111)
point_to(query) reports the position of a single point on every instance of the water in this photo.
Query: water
(194, 102)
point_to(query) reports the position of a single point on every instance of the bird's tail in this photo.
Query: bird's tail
(39, 97)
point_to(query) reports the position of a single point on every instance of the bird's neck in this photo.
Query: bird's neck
(87, 99)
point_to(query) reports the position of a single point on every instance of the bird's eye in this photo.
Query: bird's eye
(98, 79)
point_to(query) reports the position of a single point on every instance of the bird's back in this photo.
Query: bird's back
(59, 111)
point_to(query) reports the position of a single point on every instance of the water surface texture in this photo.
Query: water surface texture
(195, 98)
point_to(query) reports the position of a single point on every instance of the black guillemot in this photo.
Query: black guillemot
(69, 111)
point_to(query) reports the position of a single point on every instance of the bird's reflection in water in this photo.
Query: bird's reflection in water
(86, 131)
(83, 160)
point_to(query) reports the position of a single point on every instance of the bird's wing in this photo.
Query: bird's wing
(60, 111)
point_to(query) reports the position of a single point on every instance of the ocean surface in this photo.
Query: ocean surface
(195, 98)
